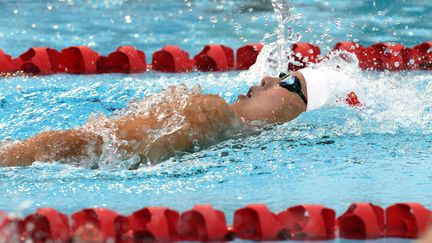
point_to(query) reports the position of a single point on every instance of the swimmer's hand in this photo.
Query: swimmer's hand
(51, 146)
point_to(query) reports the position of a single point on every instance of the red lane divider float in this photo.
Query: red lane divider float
(94, 224)
(6, 64)
(171, 59)
(151, 223)
(422, 56)
(407, 220)
(256, 222)
(78, 60)
(247, 55)
(37, 60)
(309, 222)
(126, 59)
(46, 224)
(205, 224)
(303, 55)
(362, 221)
(214, 57)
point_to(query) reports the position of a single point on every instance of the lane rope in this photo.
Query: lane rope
(204, 223)
(213, 57)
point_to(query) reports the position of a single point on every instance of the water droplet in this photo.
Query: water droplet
(396, 64)
(15, 11)
(49, 7)
(200, 17)
(213, 19)
(55, 26)
(33, 26)
(128, 19)
(338, 22)
(379, 13)
(411, 61)
(136, 35)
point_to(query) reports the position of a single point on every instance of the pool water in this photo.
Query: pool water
(335, 155)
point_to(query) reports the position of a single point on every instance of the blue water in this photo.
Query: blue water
(335, 155)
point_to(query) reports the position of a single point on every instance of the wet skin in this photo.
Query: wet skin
(208, 120)
(270, 103)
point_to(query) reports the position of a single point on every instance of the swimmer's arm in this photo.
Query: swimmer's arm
(51, 146)
(208, 119)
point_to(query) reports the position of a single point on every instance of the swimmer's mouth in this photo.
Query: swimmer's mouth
(248, 95)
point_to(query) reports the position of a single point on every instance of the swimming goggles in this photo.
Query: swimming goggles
(292, 84)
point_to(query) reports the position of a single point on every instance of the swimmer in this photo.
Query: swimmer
(206, 119)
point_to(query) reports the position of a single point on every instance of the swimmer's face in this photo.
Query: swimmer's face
(269, 103)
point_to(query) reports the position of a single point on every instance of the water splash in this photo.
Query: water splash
(275, 55)
(170, 121)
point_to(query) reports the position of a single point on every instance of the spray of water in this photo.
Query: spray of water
(276, 54)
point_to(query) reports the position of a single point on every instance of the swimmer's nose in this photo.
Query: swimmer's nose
(268, 82)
